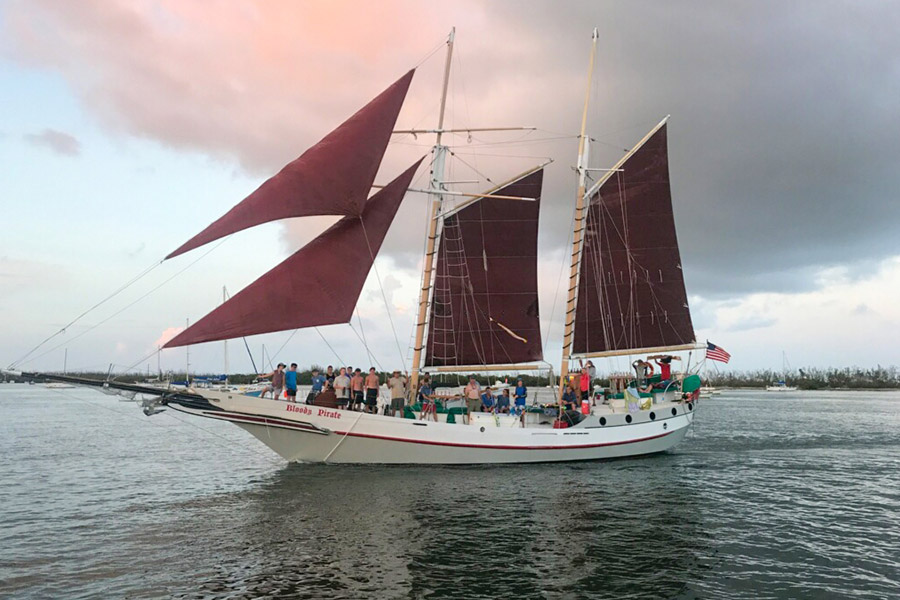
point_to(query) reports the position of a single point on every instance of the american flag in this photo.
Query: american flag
(714, 352)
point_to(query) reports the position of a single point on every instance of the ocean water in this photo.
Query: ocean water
(771, 496)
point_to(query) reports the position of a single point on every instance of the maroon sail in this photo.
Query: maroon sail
(317, 285)
(631, 291)
(331, 178)
(484, 308)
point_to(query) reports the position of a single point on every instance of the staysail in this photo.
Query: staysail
(317, 285)
(631, 293)
(484, 308)
(331, 178)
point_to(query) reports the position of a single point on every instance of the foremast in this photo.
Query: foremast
(438, 191)
(578, 231)
(436, 187)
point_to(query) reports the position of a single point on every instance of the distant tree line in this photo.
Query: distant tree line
(807, 378)
(812, 378)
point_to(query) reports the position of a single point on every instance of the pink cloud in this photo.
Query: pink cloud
(167, 334)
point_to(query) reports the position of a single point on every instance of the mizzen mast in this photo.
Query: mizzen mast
(578, 235)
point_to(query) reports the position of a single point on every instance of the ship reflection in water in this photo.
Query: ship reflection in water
(778, 500)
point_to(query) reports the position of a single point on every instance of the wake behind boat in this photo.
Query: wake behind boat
(478, 307)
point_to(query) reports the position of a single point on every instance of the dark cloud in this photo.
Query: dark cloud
(58, 141)
(782, 150)
(783, 137)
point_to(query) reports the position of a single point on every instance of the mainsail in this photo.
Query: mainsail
(331, 178)
(631, 293)
(484, 308)
(317, 285)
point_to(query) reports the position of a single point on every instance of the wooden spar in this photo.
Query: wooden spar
(464, 130)
(489, 194)
(618, 166)
(636, 351)
(488, 368)
(436, 187)
(578, 236)
(467, 195)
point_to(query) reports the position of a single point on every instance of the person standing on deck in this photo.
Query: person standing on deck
(318, 384)
(330, 375)
(342, 388)
(290, 383)
(472, 393)
(372, 385)
(357, 384)
(397, 384)
(427, 400)
(585, 386)
(521, 396)
(276, 384)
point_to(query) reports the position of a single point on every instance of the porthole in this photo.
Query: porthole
(690, 406)
(674, 412)
(628, 418)
(482, 430)
(603, 420)
(653, 416)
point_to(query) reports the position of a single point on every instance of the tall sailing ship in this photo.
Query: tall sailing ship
(478, 308)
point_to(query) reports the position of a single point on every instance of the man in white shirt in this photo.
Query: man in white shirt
(342, 388)
(397, 385)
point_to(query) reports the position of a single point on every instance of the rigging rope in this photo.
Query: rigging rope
(333, 351)
(127, 306)
(97, 305)
(387, 308)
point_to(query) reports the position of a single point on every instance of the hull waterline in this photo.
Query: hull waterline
(301, 433)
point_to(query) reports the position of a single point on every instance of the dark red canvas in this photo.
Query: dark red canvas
(331, 178)
(317, 285)
(486, 279)
(631, 292)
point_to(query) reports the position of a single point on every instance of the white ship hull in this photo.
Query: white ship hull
(781, 388)
(302, 433)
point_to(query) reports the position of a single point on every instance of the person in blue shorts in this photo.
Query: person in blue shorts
(318, 384)
(290, 383)
(521, 396)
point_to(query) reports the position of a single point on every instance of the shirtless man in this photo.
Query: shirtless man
(372, 385)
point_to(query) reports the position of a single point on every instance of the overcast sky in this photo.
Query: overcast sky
(129, 126)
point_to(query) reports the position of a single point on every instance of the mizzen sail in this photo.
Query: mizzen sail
(331, 178)
(631, 292)
(317, 285)
(484, 308)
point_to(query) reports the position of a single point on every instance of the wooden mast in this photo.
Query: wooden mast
(436, 186)
(578, 236)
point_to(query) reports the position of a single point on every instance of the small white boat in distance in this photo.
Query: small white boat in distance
(781, 387)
